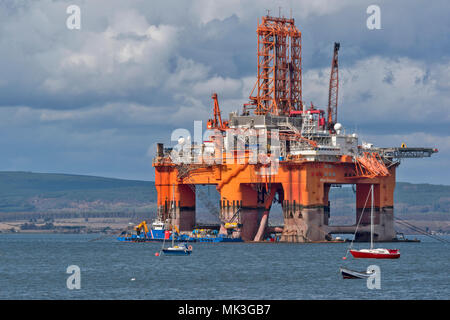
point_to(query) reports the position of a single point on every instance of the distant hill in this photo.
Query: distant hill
(48, 192)
(65, 194)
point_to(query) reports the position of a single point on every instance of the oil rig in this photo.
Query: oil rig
(279, 150)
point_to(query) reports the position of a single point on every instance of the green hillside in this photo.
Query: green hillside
(31, 192)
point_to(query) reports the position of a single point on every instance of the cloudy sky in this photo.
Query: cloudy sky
(96, 100)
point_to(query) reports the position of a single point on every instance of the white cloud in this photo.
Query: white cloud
(115, 60)
(111, 115)
(186, 73)
(226, 86)
(207, 10)
(378, 89)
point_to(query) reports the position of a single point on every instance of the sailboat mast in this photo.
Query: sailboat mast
(371, 219)
(173, 213)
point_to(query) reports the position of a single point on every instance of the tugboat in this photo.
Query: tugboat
(158, 229)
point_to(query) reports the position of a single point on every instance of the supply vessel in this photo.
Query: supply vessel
(161, 231)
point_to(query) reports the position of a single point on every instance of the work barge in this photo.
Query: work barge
(279, 150)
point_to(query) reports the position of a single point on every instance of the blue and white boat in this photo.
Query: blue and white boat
(179, 250)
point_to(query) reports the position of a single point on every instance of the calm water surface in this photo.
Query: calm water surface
(34, 267)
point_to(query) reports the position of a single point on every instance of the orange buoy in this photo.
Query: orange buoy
(343, 258)
(157, 254)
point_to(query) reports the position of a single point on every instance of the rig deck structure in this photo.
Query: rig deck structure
(279, 150)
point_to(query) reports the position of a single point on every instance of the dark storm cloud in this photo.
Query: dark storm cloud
(41, 69)
(137, 70)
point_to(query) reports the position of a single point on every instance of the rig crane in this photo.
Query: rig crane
(216, 122)
(333, 90)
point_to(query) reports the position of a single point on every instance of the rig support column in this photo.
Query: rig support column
(176, 202)
(383, 208)
(240, 200)
(185, 213)
(305, 217)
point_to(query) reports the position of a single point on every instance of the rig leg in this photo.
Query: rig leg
(247, 217)
(304, 224)
(250, 220)
(177, 205)
(383, 210)
(186, 218)
(239, 203)
(305, 208)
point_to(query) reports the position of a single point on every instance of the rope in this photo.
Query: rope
(421, 231)
(357, 225)
(106, 236)
(164, 241)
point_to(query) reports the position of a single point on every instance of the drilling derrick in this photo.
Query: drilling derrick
(279, 78)
(282, 152)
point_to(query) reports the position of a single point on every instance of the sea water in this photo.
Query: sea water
(35, 266)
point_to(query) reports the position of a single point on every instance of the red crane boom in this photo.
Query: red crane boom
(216, 122)
(333, 90)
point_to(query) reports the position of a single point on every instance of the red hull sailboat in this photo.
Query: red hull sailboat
(375, 253)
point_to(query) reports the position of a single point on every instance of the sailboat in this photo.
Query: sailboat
(182, 248)
(375, 253)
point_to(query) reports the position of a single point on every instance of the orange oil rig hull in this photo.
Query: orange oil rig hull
(278, 150)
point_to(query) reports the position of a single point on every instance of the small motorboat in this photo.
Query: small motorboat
(352, 274)
(181, 249)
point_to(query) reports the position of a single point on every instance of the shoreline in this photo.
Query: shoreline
(67, 226)
(107, 225)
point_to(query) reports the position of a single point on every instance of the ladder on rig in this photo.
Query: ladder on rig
(235, 217)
